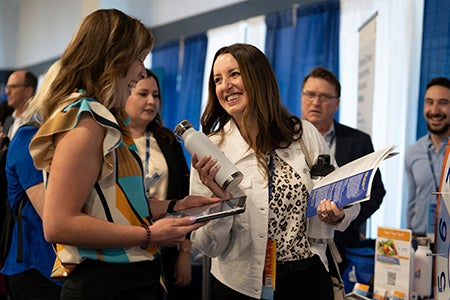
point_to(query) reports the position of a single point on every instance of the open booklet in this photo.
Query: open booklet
(350, 183)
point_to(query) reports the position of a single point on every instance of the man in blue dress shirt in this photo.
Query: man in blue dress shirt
(423, 160)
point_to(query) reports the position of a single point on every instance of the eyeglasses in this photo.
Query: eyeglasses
(310, 96)
(14, 86)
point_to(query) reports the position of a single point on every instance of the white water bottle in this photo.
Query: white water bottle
(197, 142)
(423, 267)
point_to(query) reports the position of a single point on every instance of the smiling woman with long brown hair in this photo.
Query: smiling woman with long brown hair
(244, 117)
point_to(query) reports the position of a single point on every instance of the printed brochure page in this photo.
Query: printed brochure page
(393, 262)
(350, 183)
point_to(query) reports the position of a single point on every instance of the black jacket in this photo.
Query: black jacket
(350, 145)
(8, 123)
(178, 184)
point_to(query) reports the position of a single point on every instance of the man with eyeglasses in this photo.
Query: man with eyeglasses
(320, 99)
(21, 85)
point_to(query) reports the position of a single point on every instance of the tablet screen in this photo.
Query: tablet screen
(216, 210)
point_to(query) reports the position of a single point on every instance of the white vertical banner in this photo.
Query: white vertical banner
(441, 280)
(366, 74)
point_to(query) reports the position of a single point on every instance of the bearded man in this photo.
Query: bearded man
(424, 159)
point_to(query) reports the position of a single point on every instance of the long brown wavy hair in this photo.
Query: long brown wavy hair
(277, 127)
(100, 52)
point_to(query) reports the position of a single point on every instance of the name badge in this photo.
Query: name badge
(270, 272)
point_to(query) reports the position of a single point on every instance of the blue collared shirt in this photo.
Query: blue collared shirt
(423, 166)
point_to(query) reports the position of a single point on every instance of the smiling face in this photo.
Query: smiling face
(124, 86)
(230, 89)
(436, 110)
(143, 103)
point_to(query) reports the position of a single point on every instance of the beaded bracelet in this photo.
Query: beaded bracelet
(171, 205)
(149, 235)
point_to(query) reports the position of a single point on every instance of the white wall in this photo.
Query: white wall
(396, 88)
(8, 32)
(161, 12)
(37, 31)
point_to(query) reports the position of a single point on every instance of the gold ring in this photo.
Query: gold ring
(324, 215)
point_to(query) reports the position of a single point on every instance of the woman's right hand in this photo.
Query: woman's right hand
(328, 212)
(207, 169)
(171, 231)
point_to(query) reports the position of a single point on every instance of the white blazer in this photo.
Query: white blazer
(237, 244)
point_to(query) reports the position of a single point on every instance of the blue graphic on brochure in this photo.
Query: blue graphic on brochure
(343, 192)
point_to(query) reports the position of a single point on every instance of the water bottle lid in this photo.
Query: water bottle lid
(423, 241)
(232, 181)
(181, 128)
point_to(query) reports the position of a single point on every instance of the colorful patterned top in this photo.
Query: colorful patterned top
(118, 196)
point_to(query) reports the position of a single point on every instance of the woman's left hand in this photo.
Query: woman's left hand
(329, 212)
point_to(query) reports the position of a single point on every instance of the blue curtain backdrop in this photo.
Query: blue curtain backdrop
(435, 51)
(181, 87)
(165, 65)
(297, 41)
(190, 95)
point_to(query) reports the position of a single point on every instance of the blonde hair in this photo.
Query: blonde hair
(100, 52)
(36, 103)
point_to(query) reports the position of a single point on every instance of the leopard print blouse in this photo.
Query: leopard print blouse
(287, 212)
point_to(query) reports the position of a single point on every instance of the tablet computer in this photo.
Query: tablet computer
(215, 210)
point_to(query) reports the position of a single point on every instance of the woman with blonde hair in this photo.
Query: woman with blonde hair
(95, 207)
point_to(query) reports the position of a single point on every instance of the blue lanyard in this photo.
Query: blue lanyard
(332, 140)
(432, 168)
(270, 174)
(147, 151)
(267, 291)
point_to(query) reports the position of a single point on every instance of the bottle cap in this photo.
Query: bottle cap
(423, 241)
(232, 181)
(181, 128)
